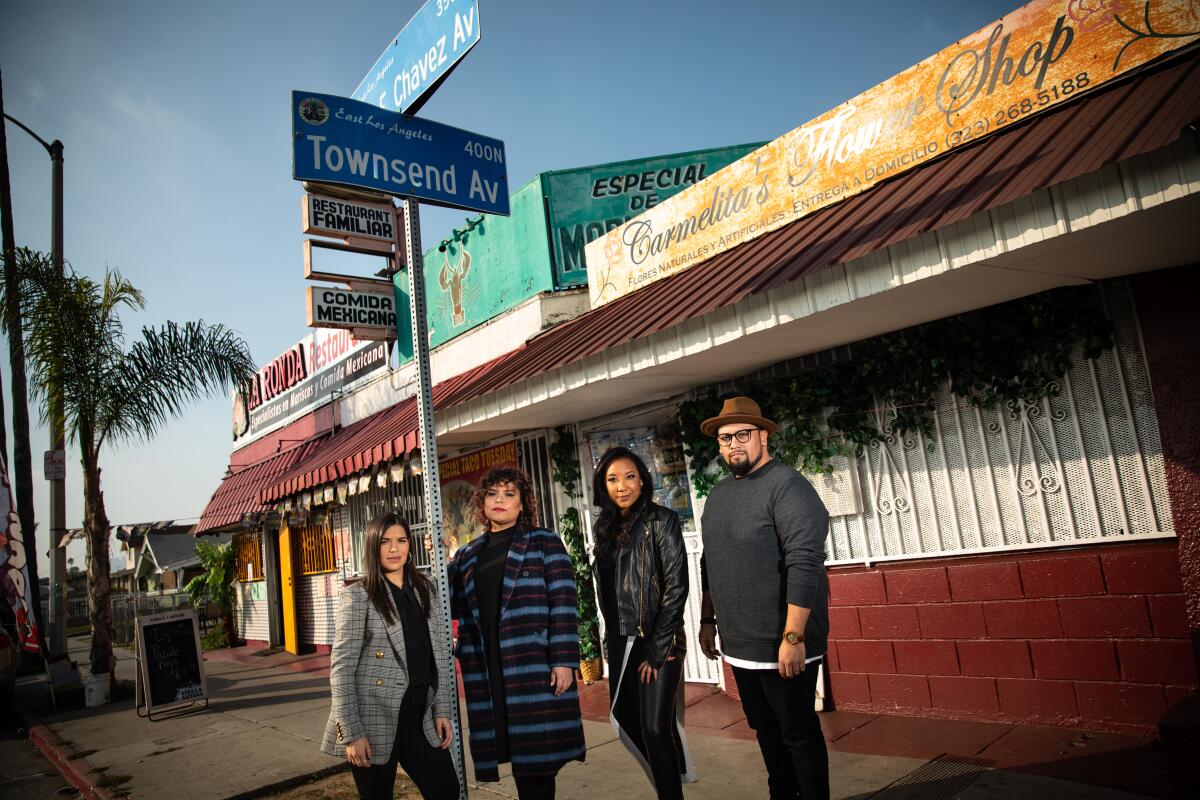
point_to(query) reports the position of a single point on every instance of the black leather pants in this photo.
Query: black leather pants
(646, 712)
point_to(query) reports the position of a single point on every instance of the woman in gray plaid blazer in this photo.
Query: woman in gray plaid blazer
(390, 673)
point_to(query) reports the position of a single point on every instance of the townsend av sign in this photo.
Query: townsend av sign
(1039, 56)
(338, 140)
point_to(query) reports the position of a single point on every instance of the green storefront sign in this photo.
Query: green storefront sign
(584, 204)
(492, 264)
(487, 267)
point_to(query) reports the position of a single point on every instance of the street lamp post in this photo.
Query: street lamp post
(56, 641)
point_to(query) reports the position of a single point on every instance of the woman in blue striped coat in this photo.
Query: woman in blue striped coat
(513, 594)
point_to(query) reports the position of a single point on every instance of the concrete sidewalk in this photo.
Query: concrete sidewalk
(268, 711)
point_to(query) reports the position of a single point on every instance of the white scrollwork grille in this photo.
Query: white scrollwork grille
(1082, 465)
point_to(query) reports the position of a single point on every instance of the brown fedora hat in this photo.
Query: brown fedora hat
(738, 409)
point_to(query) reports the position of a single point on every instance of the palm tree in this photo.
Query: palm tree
(111, 390)
(22, 471)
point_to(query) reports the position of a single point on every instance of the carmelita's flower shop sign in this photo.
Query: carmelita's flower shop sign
(1039, 56)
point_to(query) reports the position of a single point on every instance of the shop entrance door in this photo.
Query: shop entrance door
(287, 585)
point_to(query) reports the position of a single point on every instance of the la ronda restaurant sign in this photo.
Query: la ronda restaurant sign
(301, 378)
(1039, 56)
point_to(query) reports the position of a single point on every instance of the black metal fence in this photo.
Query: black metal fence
(125, 608)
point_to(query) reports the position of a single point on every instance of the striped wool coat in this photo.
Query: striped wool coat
(538, 630)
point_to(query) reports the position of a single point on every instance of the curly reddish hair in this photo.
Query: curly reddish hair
(513, 476)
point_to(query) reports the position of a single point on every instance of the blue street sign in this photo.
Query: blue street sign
(339, 140)
(421, 55)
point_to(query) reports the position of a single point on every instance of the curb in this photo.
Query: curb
(78, 772)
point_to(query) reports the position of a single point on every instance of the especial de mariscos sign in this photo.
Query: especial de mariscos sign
(1037, 57)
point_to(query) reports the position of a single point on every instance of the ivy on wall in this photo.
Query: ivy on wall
(566, 473)
(1012, 352)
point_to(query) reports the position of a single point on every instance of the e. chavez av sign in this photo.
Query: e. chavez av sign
(1039, 56)
(421, 55)
(338, 140)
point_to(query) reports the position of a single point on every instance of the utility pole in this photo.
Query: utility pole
(410, 228)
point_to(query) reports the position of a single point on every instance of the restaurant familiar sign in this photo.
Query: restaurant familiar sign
(1037, 57)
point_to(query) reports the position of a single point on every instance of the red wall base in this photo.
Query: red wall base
(1092, 637)
(1166, 311)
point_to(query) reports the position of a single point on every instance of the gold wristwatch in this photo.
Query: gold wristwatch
(791, 637)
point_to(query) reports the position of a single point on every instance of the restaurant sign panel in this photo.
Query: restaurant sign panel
(340, 219)
(1042, 55)
(584, 204)
(366, 314)
(302, 378)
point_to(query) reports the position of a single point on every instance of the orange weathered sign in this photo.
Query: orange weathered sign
(1041, 55)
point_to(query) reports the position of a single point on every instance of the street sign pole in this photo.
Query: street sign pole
(414, 259)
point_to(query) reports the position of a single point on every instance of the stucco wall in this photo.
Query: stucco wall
(1167, 309)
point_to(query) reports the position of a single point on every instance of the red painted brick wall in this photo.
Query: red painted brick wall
(1166, 312)
(1092, 637)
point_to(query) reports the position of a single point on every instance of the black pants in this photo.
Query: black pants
(539, 788)
(647, 713)
(780, 711)
(430, 768)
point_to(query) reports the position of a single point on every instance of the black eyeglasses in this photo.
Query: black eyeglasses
(742, 436)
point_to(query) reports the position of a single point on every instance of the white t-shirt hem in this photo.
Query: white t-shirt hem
(744, 664)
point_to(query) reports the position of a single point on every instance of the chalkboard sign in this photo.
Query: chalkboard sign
(172, 668)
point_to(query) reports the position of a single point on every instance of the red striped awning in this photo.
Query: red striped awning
(381, 437)
(238, 493)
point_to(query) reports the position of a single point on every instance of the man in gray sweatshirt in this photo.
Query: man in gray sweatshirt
(765, 589)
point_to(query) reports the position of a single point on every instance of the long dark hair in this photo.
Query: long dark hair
(610, 530)
(374, 580)
(514, 476)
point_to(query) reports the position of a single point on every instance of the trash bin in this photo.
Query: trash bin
(95, 690)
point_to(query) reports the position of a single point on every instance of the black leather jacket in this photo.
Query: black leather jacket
(652, 584)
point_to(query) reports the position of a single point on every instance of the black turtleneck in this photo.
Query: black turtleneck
(417, 648)
(489, 590)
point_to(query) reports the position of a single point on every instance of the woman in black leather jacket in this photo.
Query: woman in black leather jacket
(641, 573)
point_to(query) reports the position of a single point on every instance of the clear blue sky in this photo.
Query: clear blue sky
(175, 117)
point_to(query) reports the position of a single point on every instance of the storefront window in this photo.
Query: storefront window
(406, 498)
(247, 548)
(314, 543)
(660, 448)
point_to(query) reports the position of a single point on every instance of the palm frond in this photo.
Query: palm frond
(22, 273)
(165, 370)
(73, 342)
(76, 347)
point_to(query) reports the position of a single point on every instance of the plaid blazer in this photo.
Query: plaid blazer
(368, 675)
